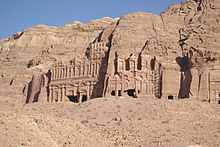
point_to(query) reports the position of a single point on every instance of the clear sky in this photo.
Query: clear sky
(16, 15)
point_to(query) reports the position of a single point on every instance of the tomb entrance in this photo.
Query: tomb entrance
(131, 92)
(73, 98)
(170, 97)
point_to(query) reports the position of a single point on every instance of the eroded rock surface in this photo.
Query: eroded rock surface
(180, 46)
(35, 50)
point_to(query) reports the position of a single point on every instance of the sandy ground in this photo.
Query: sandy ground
(110, 122)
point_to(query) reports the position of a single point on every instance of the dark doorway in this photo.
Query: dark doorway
(131, 92)
(113, 93)
(119, 93)
(73, 98)
(219, 95)
(219, 102)
(84, 98)
(127, 65)
(170, 97)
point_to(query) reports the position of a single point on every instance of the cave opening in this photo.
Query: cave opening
(170, 97)
(73, 98)
(84, 98)
(113, 93)
(131, 92)
(119, 93)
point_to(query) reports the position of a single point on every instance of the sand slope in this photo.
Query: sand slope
(110, 122)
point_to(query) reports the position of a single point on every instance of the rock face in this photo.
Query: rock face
(37, 88)
(37, 48)
(173, 55)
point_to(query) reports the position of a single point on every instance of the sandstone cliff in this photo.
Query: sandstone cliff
(188, 30)
(37, 48)
(190, 26)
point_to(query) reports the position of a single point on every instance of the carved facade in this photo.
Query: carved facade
(82, 80)
(133, 76)
(106, 73)
(79, 81)
(214, 85)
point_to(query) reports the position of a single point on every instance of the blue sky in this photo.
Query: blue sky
(17, 15)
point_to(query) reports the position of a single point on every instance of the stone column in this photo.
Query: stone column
(56, 73)
(62, 93)
(146, 87)
(67, 72)
(141, 87)
(122, 86)
(63, 72)
(83, 69)
(50, 99)
(90, 90)
(93, 69)
(60, 73)
(87, 69)
(52, 74)
(80, 98)
(98, 67)
(80, 71)
(90, 67)
(55, 76)
(116, 90)
(70, 72)
(87, 93)
(53, 97)
(74, 71)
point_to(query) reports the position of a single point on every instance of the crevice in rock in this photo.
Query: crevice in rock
(163, 22)
(18, 35)
(153, 27)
